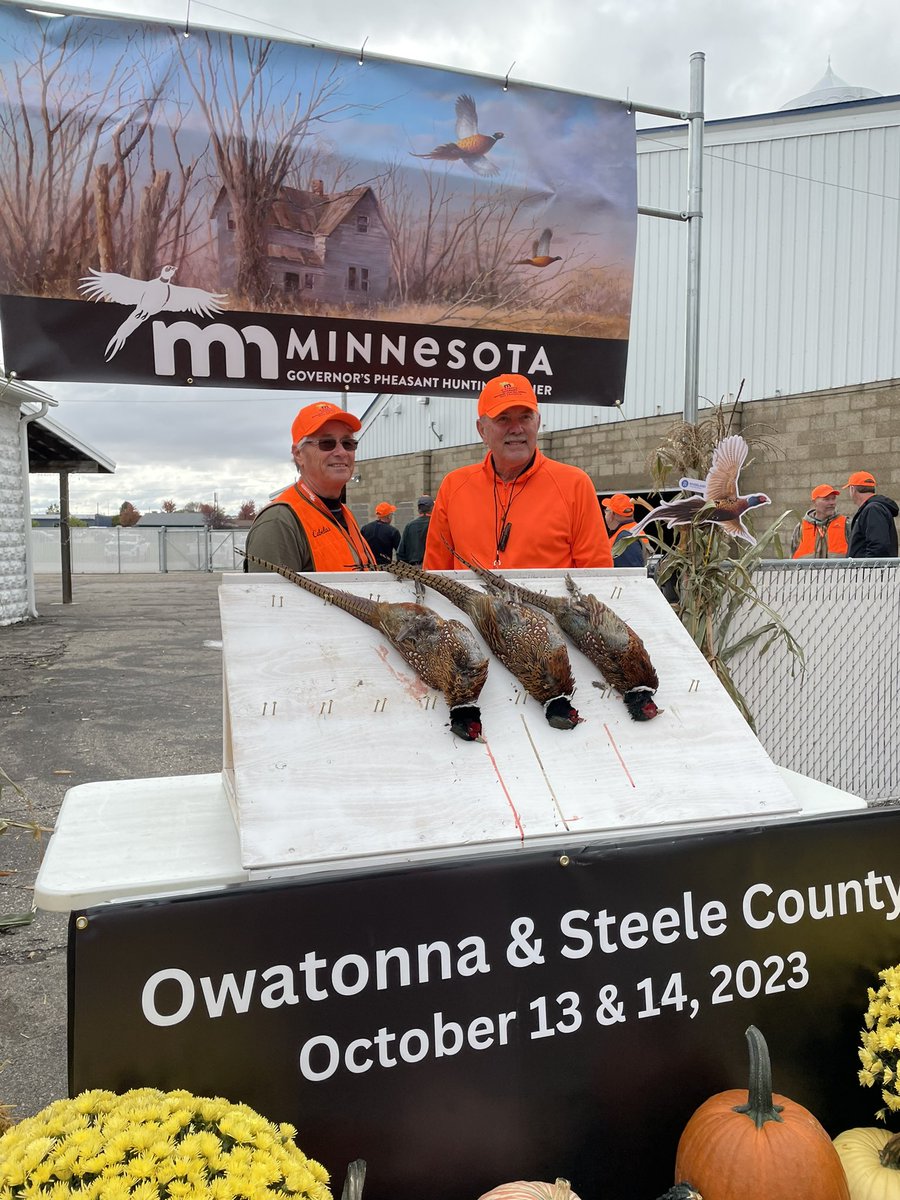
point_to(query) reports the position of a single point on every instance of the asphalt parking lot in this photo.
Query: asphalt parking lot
(123, 683)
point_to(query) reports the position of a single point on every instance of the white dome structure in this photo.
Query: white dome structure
(830, 90)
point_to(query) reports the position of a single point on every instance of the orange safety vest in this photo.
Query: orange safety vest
(811, 535)
(624, 529)
(333, 548)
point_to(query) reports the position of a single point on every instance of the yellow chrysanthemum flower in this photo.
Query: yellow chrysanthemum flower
(879, 1049)
(153, 1145)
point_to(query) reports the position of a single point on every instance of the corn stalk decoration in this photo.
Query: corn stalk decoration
(706, 574)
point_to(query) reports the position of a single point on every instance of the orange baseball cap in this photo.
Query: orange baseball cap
(620, 504)
(310, 420)
(503, 392)
(860, 479)
(384, 509)
(823, 490)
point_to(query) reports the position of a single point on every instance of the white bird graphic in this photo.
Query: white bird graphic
(149, 296)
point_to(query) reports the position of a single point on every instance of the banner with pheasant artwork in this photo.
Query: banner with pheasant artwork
(231, 211)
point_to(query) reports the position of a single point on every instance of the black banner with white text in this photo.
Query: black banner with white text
(48, 339)
(532, 1015)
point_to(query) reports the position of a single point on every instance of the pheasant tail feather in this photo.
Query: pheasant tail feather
(358, 606)
(457, 593)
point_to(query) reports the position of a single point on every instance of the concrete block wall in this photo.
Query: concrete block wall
(13, 583)
(798, 442)
(824, 437)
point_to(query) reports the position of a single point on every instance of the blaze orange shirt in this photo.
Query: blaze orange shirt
(551, 509)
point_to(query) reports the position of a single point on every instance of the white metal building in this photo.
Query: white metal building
(800, 289)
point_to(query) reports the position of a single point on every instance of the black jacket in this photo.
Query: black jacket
(383, 538)
(873, 533)
(412, 544)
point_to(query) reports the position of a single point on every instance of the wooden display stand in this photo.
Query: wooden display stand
(335, 751)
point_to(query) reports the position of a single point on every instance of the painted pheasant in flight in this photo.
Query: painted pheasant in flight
(599, 633)
(719, 503)
(470, 146)
(149, 297)
(540, 253)
(524, 640)
(444, 654)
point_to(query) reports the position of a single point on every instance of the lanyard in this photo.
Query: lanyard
(502, 524)
(361, 561)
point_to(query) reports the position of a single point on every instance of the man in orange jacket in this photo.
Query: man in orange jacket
(516, 508)
(821, 533)
(307, 527)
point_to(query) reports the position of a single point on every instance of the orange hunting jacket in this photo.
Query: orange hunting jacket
(552, 510)
(332, 547)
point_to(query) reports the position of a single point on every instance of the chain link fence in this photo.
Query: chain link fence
(96, 551)
(838, 720)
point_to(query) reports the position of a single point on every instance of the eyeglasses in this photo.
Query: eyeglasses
(327, 444)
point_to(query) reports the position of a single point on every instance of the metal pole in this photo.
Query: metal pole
(694, 207)
(65, 535)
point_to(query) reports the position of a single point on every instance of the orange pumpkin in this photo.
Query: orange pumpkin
(747, 1145)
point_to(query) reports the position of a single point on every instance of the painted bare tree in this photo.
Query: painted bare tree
(172, 224)
(455, 251)
(71, 122)
(430, 232)
(258, 123)
(320, 161)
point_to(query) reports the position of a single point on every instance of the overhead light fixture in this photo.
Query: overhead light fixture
(43, 12)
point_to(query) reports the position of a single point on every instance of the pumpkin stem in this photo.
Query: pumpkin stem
(759, 1106)
(562, 1189)
(889, 1154)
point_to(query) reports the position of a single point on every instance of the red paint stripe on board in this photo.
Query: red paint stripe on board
(509, 799)
(612, 742)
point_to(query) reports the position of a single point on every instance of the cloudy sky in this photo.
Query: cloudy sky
(759, 55)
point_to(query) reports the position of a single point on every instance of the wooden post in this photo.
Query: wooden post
(65, 538)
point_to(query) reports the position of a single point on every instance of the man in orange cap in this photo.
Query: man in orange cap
(383, 537)
(307, 527)
(821, 533)
(516, 508)
(618, 513)
(873, 533)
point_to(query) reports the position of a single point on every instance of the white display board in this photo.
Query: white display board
(335, 751)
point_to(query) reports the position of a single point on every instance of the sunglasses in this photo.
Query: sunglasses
(327, 444)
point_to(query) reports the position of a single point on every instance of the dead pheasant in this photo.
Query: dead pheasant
(445, 654)
(524, 641)
(600, 634)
